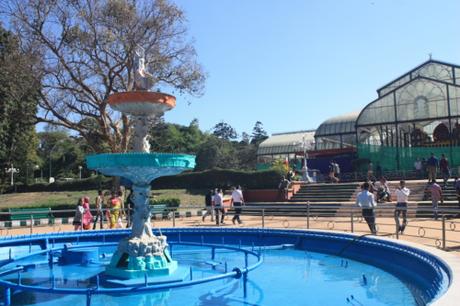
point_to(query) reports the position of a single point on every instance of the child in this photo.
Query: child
(78, 215)
(87, 216)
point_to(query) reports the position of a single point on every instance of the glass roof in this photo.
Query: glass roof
(419, 99)
(431, 69)
(344, 124)
(285, 143)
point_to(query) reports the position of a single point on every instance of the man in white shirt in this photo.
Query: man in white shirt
(366, 201)
(237, 201)
(402, 197)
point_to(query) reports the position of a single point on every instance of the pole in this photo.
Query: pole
(12, 175)
(263, 217)
(351, 222)
(443, 232)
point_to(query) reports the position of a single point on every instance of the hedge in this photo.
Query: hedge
(215, 178)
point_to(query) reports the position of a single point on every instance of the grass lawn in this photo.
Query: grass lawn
(188, 198)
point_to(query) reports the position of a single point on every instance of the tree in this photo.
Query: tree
(216, 153)
(18, 105)
(84, 52)
(258, 133)
(224, 131)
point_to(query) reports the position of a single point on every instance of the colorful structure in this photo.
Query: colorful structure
(142, 253)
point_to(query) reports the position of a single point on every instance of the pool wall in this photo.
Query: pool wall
(426, 274)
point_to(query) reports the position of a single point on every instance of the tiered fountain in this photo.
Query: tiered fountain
(142, 253)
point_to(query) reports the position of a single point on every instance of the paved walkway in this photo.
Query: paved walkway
(422, 231)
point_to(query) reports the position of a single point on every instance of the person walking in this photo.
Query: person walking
(237, 202)
(208, 202)
(436, 197)
(129, 209)
(78, 218)
(445, 170)
(402, 197)
(366, 201)
(115, 207)
(418, 167)
(87, 216)
(218, 206)
(432, 166)
(99, 215)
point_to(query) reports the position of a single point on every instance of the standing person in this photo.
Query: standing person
(99, 215)
(337, 170)
(370, 171)
(432, 166)
(332, 177)
(418, 167)
(87, 216)
(378, 171)
(445, 170)
(457, 189)
(115, 207)
(283, 188)
(77, 219)
(402, 197)
(129, 209)
(436, 197)
(108, 207)
(208, 202)
(237, 202)
(218, 205)
(366, 201)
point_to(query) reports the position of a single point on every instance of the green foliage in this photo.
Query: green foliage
(258, 133)
(224, 131)
(279, 165)
(218, 178)
(92, 183)
(18, 105)
(170, 202)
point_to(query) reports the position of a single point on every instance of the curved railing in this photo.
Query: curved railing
(236, 272)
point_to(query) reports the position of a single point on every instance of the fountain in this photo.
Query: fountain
(142, 253)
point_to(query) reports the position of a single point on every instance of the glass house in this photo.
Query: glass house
(415, 115)
(337, 133)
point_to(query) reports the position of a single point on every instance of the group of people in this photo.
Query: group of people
(216, 208)
(108, 206)
(366, 201)
(334, 171)
(429, 168)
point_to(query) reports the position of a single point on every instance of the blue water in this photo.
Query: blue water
(287, 277)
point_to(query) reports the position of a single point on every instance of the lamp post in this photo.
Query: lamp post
(12, 170)
(37, 167)
(79, 168)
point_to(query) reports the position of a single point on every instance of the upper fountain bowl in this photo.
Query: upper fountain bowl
(142, 103)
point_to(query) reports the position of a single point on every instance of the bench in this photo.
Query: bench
(24, 214)
(165, 210)
(160, 209)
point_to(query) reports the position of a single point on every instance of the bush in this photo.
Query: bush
(218, 178)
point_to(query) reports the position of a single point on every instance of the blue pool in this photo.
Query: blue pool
(283, 268)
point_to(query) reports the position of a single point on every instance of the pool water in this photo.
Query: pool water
(287, 277)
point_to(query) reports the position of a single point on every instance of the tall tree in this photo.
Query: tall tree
(258, 133)
(224, 131)
(18, 104)
(86, 49)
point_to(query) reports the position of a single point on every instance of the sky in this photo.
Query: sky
(293, 64)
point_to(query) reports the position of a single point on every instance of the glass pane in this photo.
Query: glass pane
(380, 111)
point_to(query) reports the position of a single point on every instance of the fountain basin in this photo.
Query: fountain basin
(140, 167)
(141, 103)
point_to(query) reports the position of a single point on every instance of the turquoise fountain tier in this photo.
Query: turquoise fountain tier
(142, 253)
(140, 168)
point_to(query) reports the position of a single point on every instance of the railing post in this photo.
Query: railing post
(174, 218)
(7, 294)
(308, 214)
(31, 224)
(443, 232)
(352, 227)
(263, 217)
